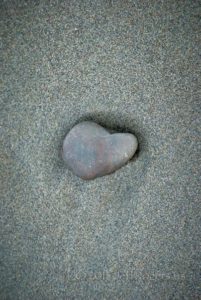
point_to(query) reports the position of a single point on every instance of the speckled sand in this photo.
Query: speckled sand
(128, 65)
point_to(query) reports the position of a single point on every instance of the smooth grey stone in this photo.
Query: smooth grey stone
(91, 151)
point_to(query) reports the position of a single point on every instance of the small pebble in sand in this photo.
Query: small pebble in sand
(91, 151)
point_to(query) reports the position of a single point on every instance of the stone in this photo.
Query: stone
(91, 151)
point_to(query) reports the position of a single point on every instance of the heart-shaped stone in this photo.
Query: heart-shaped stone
(91, 151)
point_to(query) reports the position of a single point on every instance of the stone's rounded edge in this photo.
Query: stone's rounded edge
(68, 152)
(95, 129)
(128, 143)
(89, 130)
(64, 150)
(87, 178)
(134, 144)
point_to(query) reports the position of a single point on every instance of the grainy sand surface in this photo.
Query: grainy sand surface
(128, 65)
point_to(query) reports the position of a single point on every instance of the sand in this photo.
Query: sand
(130, 66)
